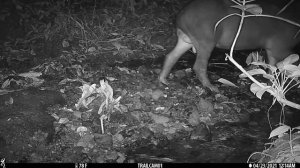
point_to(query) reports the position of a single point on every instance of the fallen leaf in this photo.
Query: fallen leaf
(226, 82)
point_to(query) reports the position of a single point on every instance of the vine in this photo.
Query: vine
(257, 87)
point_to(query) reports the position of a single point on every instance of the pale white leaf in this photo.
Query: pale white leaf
(115, 52)
(63, 120)
(254, 57)
(226, 82)
(65, 43)
(290, 68)
(30, 74)
(77, 114)
(115, 34)
(6, 83)
(118, 45)
(298, 128)
(92, 49)
(262, 91)
(254, 88)
(288, 60)
(257, 90)
(251, 8)
(10, 101)
(254, 9)
(82, 144)
(279, 130)
(260, 64)
(295, 74)
(101, 107)
(158, 47)
(124, 70)
(81, 129)
(265, 65)
(110, 78)
(55, 116)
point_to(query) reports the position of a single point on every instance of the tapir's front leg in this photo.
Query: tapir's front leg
(181, 47)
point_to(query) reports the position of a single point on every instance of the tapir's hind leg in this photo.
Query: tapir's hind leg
(204, 50)
(183, 44)
(277, 53)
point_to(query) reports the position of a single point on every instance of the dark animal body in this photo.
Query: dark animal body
(196, 28)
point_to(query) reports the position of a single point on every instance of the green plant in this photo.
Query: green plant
(256, 11)
(284, 149)
(283, 77)
(101, 94)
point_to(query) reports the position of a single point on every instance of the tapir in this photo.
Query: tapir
(195, 26)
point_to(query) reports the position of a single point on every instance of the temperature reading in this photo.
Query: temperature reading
(82, 165)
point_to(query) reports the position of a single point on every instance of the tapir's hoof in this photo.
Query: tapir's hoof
(163, 82)
(212, 88)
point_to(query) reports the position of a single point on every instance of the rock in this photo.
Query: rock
(169, 137)
(77, 114)
(256, 109)
(143, 70)
(205, 106)
(121, 158)
(137, 102)
(146, 133)
(156, 94)
(221, 98)
(136, 115)
(104, 140)
(87, 141)
(158, 119)
(157, 71)
(194, 118)
(85, 116)
(206, 119)
(123, 108)
(201, 132)
(189, 72)
(158, 128)
(111, 155)
(218, 106)
(100, 159)
(180, 74)
(119, 137)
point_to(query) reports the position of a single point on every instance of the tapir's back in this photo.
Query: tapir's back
(198, 19)
(214, 8)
